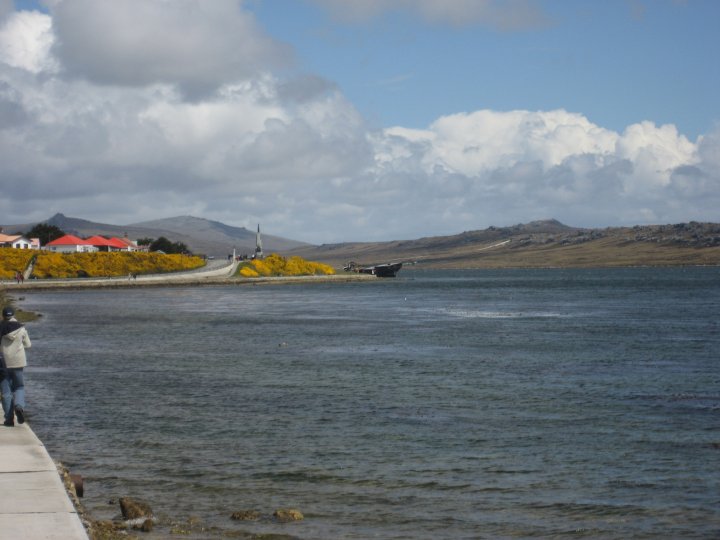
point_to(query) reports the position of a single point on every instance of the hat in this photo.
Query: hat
(8, 312)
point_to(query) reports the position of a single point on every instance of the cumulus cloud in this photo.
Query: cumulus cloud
(500, 14)
(197, 45)
(25, 40)
(294, 154)
(550, 163)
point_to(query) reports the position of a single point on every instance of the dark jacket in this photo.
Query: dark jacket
(9, 326)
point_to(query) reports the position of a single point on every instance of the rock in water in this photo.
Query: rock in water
(288, 514)
(132, 509)
(245, 515)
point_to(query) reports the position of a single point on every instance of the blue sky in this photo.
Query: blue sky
(616, 61)
(322, 118)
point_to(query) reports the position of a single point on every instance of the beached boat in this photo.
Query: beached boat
(379, 270)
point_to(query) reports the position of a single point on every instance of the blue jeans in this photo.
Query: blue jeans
(13, 385)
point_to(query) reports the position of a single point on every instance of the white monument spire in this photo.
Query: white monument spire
(258, 244)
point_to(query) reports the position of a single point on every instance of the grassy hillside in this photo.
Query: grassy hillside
(540, 244)
(202, 236)
(597, 253)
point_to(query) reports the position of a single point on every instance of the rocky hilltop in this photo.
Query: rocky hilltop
(547, 243)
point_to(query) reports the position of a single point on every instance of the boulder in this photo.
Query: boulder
(245, 515)
(285, 515)
(132, 509)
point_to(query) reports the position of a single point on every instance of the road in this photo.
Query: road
(213, 270)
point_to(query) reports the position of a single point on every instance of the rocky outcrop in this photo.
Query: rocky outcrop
(134, 510)
(281, 515)
(285, 515)
(246, 515)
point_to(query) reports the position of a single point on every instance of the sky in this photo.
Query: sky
(361, 120)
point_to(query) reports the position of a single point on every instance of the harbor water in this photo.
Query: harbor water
(453, 404)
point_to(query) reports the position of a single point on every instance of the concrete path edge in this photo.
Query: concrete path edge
(35, 504)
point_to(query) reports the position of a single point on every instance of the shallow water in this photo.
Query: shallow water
(459, 404)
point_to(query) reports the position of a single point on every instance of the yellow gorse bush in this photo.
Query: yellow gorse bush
(14, 260)
(110, 264)
(246, 271)
(276, 265)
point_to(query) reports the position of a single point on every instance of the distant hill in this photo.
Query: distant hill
(545, 243)
(202, 236)
(215, 232)
(538, 244)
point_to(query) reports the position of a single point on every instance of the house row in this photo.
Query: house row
(73, 244)
(18, 241)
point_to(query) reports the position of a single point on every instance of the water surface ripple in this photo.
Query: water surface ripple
(459, 404)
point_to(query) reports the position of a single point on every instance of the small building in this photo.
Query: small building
(100, 242)
(121, 244)
(107, 244)
(130, 245)
(70, 244)
(19, 241)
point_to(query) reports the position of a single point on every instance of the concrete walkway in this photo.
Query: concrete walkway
(34, 504)
(215, 269)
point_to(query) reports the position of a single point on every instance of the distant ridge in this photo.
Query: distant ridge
(219, 233)
(202, 236)
(538, 244)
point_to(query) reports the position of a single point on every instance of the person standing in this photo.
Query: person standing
(14, 340)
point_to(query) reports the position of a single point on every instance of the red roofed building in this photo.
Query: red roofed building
(70, 244)
(107, 244)
(130, 245)
(99, 242)
(119, 244)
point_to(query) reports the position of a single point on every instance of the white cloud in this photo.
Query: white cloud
(25, 40)
(655, 151)
(295, 155)
(709, 151)
(197, 45)
(531, 165)
(487, 140)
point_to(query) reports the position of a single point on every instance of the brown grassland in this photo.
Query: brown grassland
(604, 253)
(545, 244)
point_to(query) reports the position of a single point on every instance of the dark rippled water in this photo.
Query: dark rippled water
(486, 404)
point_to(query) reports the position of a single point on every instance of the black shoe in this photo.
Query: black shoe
(20, 415)
(9, 423)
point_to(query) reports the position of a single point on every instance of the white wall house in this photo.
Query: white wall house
(19, 242)
(26, 243)
(70, 244)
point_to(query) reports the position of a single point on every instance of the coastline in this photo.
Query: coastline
(42, 503)
(173, 281)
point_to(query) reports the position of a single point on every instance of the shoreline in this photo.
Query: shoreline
(188, 280)
(174, 281)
